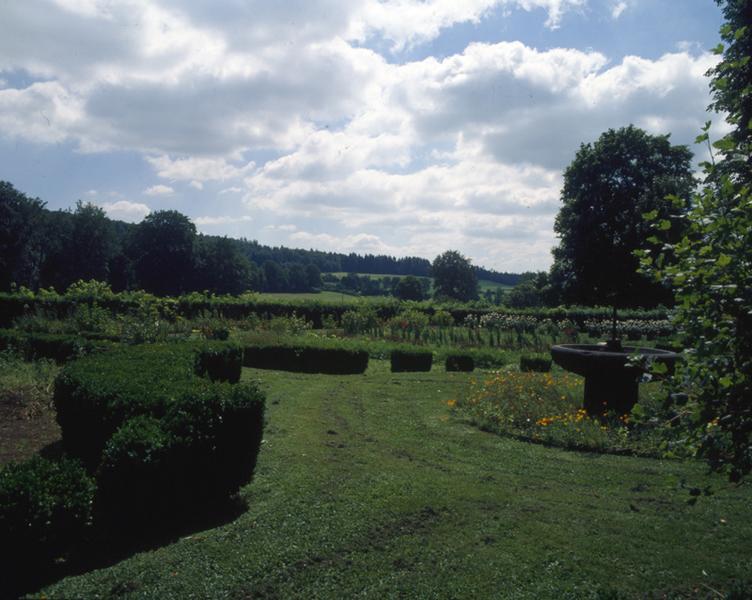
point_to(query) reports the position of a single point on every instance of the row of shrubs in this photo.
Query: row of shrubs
(151, 434)
(191, 306)
(58, 347)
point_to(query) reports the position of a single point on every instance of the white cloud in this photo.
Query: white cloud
(159, 190)
(197, 168)
(298, 123)
(124, 210)
(618, 8)
(210, 221)
(231, 190)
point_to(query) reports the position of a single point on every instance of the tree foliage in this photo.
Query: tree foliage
(710, 269)
(409, 288)
(163, 252)
(21, 244)
(454, 277)
(607, 188)
(731, 86)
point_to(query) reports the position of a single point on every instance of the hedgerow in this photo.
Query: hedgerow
(459, 362)
(411, 361)
(44, 507)
(306, 359)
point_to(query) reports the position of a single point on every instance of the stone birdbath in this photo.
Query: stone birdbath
(611, 379)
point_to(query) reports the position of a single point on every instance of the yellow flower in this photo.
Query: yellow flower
(451, 403)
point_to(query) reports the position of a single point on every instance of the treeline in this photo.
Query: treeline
(163, 254)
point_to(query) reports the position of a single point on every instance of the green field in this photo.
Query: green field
(325, 297)
(483, 284)
(368, 486)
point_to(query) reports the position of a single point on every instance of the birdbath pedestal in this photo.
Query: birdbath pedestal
(611, 381)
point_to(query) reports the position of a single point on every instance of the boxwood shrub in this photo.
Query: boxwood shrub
(402, 361)
(306, 359)
(538, 363)
(219, 362)
(44, 507)
(58, 347)
(460, 362)
(158, 436)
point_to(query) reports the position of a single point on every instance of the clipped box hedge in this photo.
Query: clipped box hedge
(459, 362)
(403, 361)
(162, 427)
(306, 359)
(58, 347)
(535, 363)
(44, 507)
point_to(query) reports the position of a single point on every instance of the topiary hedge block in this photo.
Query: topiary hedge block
(537, 364)
(460, 362)
(44, 507)
(219, 361)
(306, 359)
(158, 429)
(57, 347)
(402, 361)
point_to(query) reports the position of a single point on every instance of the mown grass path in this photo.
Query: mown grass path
(367, 487)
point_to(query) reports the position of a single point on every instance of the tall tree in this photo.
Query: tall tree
(408, 288)
(91, 245)
(454, 277)
(275, 277)
(221, 268)
(21, 244)
(607, 188)
(162, 246)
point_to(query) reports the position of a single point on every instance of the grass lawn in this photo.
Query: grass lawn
(367, 486)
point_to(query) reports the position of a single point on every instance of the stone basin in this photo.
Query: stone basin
(611, 384)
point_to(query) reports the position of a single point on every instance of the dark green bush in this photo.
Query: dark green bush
(535, 363)
(411, 361)
(156, 471)
(459, 362)
(44, 507)
(58, 347)
(134, 480)
(94, 396)
(306, 359)
(219, 362)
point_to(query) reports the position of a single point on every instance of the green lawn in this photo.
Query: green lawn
(366, 486)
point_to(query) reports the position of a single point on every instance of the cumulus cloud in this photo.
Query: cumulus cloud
(618, 8)
(322, 140)
(125, 210)
(197, 168)
(204, 221)
(159, 190)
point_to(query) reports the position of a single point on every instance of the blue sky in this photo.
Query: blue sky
(404, 127)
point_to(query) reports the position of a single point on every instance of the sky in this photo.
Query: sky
(401, 127)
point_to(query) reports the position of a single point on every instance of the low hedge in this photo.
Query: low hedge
(94, 396)
(58, 347)
(459, 362)
(306, 359)
(402, 361)
(161, 428)
(535, 363)
(44, 507)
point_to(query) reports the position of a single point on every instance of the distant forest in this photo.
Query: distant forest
(164, 254)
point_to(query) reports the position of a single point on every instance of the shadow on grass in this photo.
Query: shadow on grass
(105, 546)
